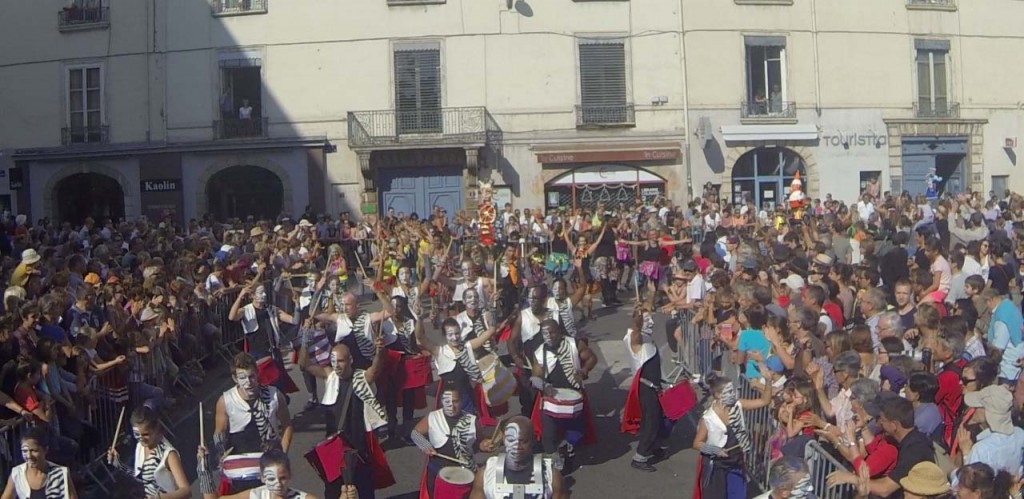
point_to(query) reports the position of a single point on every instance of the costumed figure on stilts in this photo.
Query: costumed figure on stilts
(797, 198)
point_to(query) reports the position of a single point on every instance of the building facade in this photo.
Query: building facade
(182, 108)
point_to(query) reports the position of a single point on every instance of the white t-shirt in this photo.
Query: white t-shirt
(865, 210)
(695, 289)
(946, 277)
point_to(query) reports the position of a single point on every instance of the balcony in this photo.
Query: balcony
(937, 110)
(592, 116)
(83, 18)
(399, 3)
(769, 111)
(85, 135)
(239, 7)
(945, 5)
(235, 128)
(448, 126)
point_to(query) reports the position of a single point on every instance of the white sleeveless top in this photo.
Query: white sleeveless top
(251, 325)
(261, 492)
(55, 487)
(529, 325)
(565, 314)
(480, 290)
(718, 431)
(447, 358)
(496, 488)
(439, 432)
(161, 475)
(344, 325)
(647, 351)
(412, 296)
(543, 356)
(239, 414)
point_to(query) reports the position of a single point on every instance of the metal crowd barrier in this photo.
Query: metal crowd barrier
(760, 428)
(821, 464)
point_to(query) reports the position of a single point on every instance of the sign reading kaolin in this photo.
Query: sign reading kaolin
(161, 185)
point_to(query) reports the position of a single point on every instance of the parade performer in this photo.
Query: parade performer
(525, 340)
(722, 440)
(452, 433)
(471, 279)
(275, 474)
(474, 320)
(261, 324)
(408, 367)
(337, 266)
(412, 292)
(518, 472)
(249, 419)
(486, 214)
(352, 412)
(37, 477)
(643, 415)
(932, 183)
(157, 465)
(797, 198)
(559, 262)
(355, 327)
(562, 413)
(508, 282)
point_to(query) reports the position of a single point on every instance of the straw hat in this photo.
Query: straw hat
(256, 231)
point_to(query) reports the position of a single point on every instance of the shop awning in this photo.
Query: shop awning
(768, 133)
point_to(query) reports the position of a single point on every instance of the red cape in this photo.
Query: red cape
(631, 413)
(589, 431)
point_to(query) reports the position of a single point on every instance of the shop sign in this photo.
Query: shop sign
(609, 156)
(161, 185)
(853, 139)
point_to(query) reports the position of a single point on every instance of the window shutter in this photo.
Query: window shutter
(602, 73)
(418, 89)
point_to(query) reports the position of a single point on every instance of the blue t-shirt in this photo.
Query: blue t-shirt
(753, 339)
(54, 332)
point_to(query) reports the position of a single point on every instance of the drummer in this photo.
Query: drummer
(249, 419)
(526, 338)
(412, 292)
(558, 375)
(471, 279)
(474, 321)
(355, 327)
(456, 365)
(260, 322)
(642, 415)
(275, 474)
(157, 465)
(451, 432)
(411, 373)
(564, 305)
(518, 472)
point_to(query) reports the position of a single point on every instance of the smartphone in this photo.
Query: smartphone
(926, 358)
(727, 331)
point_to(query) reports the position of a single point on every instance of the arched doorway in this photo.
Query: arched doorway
(241, 191)
(611, 185)
(84, 195)
(763, 175)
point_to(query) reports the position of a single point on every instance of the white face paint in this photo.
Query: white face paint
(559, 289)
(334, 360)
(246, 381)
(272, 481)
(137, 434)
(452, 335)
(729, 396)
(259, 296)
(467, 270)
(404, 276)
(471, 299)
(27, 455)
(548, 335)
(648, 327)
(512, 451)
(448, 404)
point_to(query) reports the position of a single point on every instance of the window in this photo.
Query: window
(932, 78)
(241, 98)
(1000, 185)
(867, 176)
(766, 78)
(764, 176)
(418, 88)
(84, 14)
(603, 91)
(85, 105)
(239, 7)
(948, 5)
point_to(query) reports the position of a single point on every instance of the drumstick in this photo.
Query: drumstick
(117, 432)
(452, 459)
(202, 427)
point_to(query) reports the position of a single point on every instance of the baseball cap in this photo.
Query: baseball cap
(794, 282)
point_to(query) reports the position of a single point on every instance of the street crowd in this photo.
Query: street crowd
(886, 334)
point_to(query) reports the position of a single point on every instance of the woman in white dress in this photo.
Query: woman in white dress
(157, 464)
(38, 478)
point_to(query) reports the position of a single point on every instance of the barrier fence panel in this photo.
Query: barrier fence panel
(821, 465)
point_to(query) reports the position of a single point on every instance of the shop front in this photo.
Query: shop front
(763, 175)
(612, 186)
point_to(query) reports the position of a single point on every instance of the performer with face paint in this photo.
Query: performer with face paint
(474, 320)
(412, 292)
(275, 474)
(356, 328)
(408, 367)
(526, 338)
(260, 322)
(508, 281)
(249, 419)
(561, 412)
(157, 465)
(722, 440)
(449, 431)
(367, 468)
(472, 280)
(642, 415)
(518, 472)
(37, 477)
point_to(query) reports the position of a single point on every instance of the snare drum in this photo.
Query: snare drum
(564, 404)
(241, 467)
(453, 482)
(499, 384)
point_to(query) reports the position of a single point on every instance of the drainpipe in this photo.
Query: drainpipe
(817, 76)
(686, 106)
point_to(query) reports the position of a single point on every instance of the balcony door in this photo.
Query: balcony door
(418, 89)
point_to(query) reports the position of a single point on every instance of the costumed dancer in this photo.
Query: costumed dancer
(157, 465)
(410, 372)
(797, 198)
(486, 214)
(355, 327)
(249, 419)
(314, 297)
(457, 367)
(352, 412)
(722, 440)
(562, 413)
(474, 322)
(508, 282)
(525, 340)
(260, 322)
(519, 472)
(581, 258)
(450, 432)
(559, 263)
(562, 305)
(37, 477)
(643, 415)
(471, 279)
(275, 474)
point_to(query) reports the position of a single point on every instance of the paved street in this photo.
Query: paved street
(603, 469)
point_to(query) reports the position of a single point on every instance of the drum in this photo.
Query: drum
(499, 384)
(416, 372)
(677, 400)
(242, 467)
(453, 482)
(563, 404)
(269, 374)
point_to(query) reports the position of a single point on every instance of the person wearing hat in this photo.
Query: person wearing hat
(989, 435)
(925, 480)
(24, 270)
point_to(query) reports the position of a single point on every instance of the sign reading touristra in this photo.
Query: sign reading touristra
(161, 185)
(607, 156)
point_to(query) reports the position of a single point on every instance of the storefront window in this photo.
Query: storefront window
(613, 186)
(764, 175)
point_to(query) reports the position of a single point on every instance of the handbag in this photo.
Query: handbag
(328, 457)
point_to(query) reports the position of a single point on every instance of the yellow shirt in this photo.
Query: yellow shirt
(20, 275)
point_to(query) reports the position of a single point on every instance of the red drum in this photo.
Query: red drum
(242, 467)
(269, 374)
(677, 400)
(453, 482)
(564, 404)
(328, 458)
(416, 372)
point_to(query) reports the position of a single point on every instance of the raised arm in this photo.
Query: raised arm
(378, 360)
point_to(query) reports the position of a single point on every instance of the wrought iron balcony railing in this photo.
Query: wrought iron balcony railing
(427, 127)
(588, 115)
(235, 128)
(939, 4)
(937, 109)
(239, 7)
(81, 18)
(85, 135)
(769, 110)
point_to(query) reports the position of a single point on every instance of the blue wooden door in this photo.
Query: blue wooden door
(947, 155)
(419, 190)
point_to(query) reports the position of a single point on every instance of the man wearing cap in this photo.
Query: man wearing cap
(996, 441)
(1004, 333)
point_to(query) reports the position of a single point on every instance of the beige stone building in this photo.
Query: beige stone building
(236, 107)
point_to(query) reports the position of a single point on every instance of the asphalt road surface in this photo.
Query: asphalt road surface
(602, 470)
